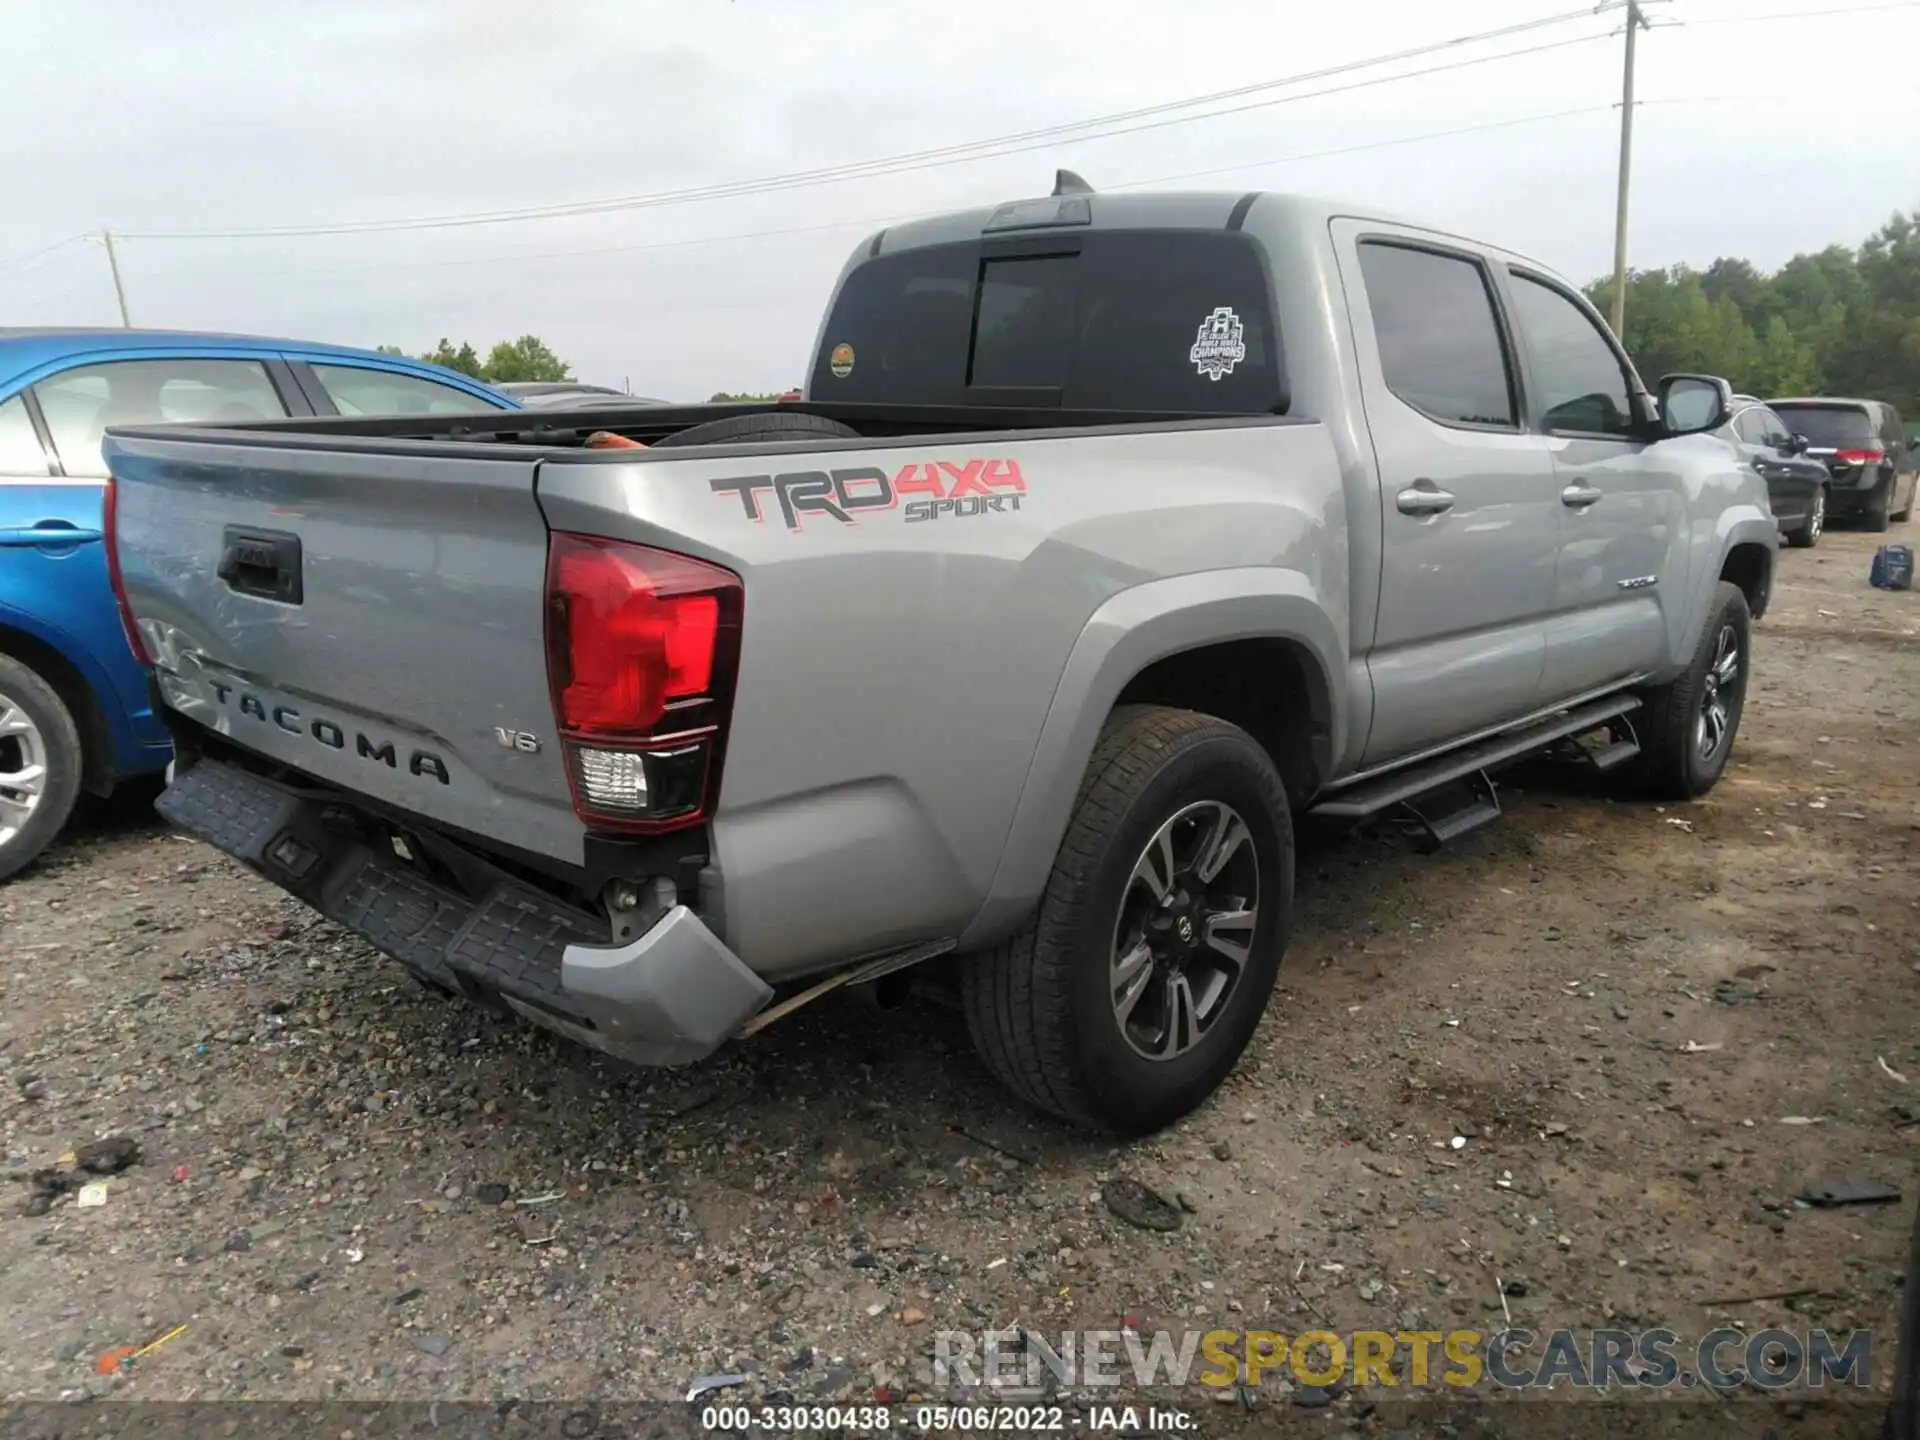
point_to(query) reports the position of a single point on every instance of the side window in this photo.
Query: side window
(1440, 345)
(80, 404)
(1892, 432)
(385, 392)
(20, 452)
(1773, 430)
(1582, 385)
(1750, 425)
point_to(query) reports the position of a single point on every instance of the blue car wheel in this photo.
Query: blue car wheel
(39, 765)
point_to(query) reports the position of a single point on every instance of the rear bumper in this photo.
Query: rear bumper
(670, 995)
(1862, 490)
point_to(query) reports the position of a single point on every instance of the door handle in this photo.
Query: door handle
(1581, 496)
(46, 533)
(1423, 497)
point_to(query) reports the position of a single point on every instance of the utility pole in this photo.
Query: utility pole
(119, 290)
(1635, 22)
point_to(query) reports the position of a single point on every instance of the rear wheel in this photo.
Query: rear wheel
(1131, 994)
(39, 765)
(1912, 495)
(1875, 516)
(1689, 725)
(1808, 535)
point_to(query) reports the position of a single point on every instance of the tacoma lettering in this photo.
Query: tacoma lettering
(326, 732)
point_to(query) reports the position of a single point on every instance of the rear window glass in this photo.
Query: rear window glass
(1828, 425)
(1169, 320)
(1024, 334)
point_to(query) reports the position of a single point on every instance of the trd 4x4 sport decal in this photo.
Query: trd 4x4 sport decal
(930, 491)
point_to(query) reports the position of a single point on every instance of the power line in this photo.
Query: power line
(25, 262)
(1101, 127)
(897, 218)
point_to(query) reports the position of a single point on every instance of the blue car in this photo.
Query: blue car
(74, 712)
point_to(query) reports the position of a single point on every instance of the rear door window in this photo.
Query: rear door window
(1830, 427)
(1142, 320)
(20, 452)
(1440, 344)
(355, 390)
(80, 404)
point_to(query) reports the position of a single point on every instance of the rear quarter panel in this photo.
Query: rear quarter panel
(897, 674)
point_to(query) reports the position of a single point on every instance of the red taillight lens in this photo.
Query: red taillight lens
(111, 536)
(1859, 457)
(642, 646)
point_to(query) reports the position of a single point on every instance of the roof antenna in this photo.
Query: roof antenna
(1065, 182)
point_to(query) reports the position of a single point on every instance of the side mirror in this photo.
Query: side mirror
(1693, 404)
(1797, 445)
(1914, 444)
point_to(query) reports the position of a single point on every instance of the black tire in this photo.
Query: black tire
(1875, 517)
(1809, 533)
(1672, 764)
(1912, 495)
(1903, 1417)
(1041, 1005)
(761, 427)
(55, 746)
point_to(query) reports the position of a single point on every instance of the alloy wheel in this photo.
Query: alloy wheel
(1185, 930)
(1719, 690)
(23, 769)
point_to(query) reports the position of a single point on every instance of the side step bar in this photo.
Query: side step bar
(1370, 798)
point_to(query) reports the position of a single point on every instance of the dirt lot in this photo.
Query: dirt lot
(1615, 1007)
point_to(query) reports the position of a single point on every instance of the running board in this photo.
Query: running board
(1370, 798)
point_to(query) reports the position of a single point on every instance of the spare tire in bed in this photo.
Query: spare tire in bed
(760, 428)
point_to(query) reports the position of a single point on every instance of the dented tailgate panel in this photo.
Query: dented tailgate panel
(410, 665)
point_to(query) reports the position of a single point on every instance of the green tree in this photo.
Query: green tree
(724, 397)
(1836, 321)
(527, 358)
(466, 360)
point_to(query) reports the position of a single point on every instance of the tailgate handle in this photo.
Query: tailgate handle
(263, 563)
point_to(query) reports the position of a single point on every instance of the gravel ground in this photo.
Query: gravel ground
(348, 1189)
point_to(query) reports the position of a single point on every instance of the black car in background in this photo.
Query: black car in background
(1864, 445)
(1796, 483)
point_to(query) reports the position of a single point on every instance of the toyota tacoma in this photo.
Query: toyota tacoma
(1111, 534)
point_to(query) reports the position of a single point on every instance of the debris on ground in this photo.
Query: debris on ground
(707, 1384)
(1849, 1190)
(1889, 1071)
(1140, 1206)
(109, 1156)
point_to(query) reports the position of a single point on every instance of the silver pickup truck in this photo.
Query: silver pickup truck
(1110, 534)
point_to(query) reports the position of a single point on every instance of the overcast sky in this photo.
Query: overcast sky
(1760, 139)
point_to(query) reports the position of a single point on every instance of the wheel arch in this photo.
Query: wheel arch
(1748, 564)
(1175, 642)
(77, 693)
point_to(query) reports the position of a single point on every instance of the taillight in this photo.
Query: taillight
(1859, 457)
(112, 540)
(642, 649)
